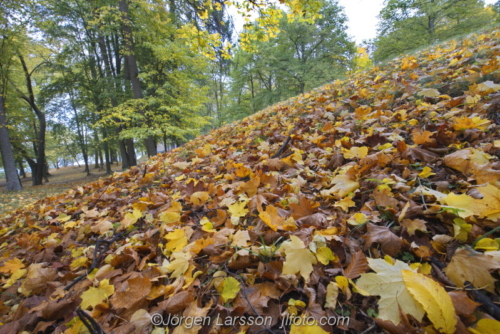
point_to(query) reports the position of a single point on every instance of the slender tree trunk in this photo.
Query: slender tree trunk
(80, 137)
(9, 164)
(22, 172)
(133, 70)
(106, 151)
(101, 160)
(38, 171)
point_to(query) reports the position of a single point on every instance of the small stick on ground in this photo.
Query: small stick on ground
(101, 247)
(89, 322)
(486, 302)
(283, 148)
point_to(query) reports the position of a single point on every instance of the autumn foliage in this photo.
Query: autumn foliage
(376, 198)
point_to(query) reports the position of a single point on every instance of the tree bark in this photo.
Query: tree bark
(106, 151)
(22, 172)
(39, 167)
(133, 70)
(9, 164)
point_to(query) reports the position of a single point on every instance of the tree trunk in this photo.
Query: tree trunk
(22, 172)
(124, 154)
(106, 151)
(80, 137)
(9, 164)
(133, 71)
(132, 159)
(38, 171)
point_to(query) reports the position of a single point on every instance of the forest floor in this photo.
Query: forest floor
(60, 180)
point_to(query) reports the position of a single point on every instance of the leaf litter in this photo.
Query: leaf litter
(373, 201)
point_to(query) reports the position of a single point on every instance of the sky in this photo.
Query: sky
(363, 17)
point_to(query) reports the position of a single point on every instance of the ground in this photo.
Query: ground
(60, 180)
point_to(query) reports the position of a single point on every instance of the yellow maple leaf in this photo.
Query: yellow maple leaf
(272, 218)
(16, 275)
(429, 92)
(489, 205)
(463, 123)
(11, 266)
(325, 255)
(237, 210)
(426, 172)
(94, 296)
(173, 214)
(421, 137)
(176, 240)
(76, 326)
(240, 238)
(179, 266)
(169, 217)
(433, 298)
(131, 218)
(206, 225)
(355, 152)
(343, 185)
(461, 229)
(345, 203)
(388, 284)
(357, 219)
(229, 288)
(199, 197)
(79, 262)
(181, 165)
(299, 259)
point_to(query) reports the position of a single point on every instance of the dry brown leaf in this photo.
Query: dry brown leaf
(136, 289)
(391, 243)
(469, 265)
(357, 266)
(463, 304)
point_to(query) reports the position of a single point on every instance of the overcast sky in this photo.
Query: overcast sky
(362, 14)
(363, 19)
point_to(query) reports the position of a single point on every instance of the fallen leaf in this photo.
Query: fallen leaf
(299, 259)
(193, 312)
(94, 296)
(433, 298)
(389, 285)
(229, 288)
(11, 266)
(391, 243)
(138, 288)
(468, 265)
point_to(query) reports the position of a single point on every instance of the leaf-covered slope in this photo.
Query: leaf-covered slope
(285, 213)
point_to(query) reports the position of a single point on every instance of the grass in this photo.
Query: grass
(61, 179)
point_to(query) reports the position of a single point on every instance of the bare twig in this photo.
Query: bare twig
(485, 301)
(422, 194)
(89, 322)
(283, 148)
(101, 247)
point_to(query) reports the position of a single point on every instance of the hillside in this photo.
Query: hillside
(376, 199)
